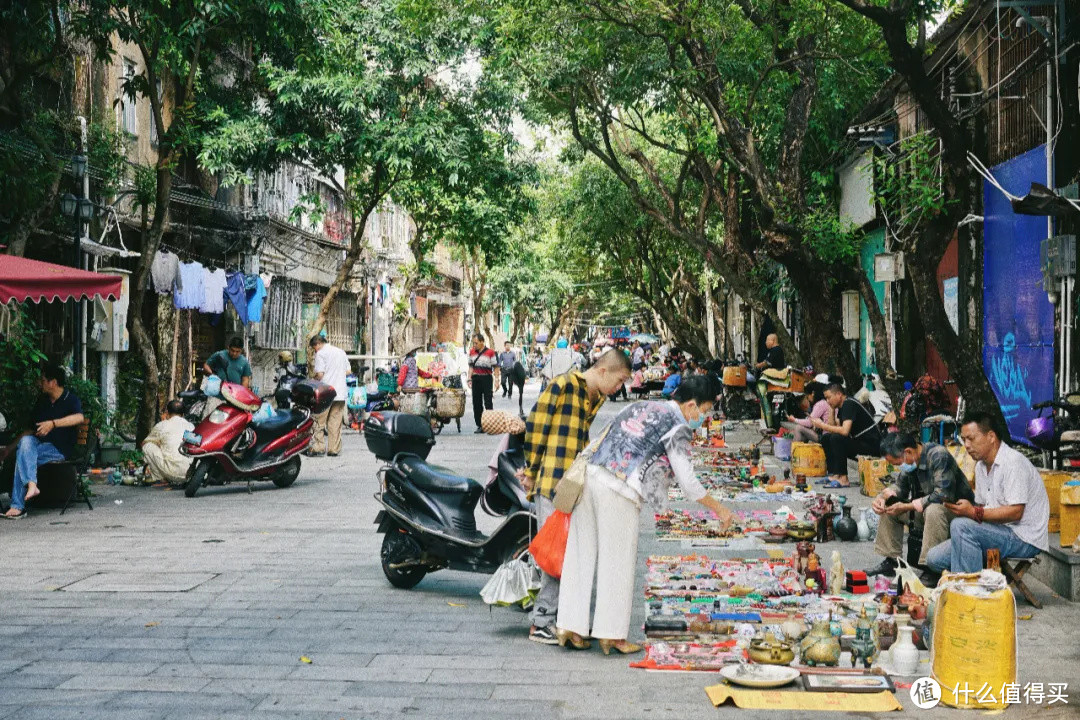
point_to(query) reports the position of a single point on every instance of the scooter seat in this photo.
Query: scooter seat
(278, 424)
(433, 477)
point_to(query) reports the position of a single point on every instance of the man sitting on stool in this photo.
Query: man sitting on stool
(1011, 509)
(928, 478)
(57, 417)
(161, 448)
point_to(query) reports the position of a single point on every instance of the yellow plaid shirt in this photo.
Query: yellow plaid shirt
(557, 430)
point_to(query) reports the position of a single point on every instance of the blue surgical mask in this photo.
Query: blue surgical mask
(697, 422)
(908, 467)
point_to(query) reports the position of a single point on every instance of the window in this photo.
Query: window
(153, 125)
(128, 117)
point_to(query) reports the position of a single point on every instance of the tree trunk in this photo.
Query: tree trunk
(142, 342)
(830, 352)
(25, 225)
(963, 360)
(356, 249)
(882, 339)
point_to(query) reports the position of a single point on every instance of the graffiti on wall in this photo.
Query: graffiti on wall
(1018, 319)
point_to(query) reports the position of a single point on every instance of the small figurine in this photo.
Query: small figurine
(803, 551)
(836, 574)
(815, 574)
(864, 646)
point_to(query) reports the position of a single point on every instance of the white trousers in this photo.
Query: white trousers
(602, 543)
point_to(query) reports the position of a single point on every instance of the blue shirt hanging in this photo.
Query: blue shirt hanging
(237, 295)
(255, 300)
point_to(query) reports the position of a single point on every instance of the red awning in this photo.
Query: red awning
(22, 279)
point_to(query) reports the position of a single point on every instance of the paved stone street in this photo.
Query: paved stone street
(157, 606)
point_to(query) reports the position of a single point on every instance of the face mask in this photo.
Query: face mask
(696, 422)
(908, 467)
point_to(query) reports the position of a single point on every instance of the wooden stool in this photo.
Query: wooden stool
(1013, 569)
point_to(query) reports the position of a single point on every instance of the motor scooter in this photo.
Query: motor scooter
(428, 512)
(230, 445)
(1058, 432)
(738, 401)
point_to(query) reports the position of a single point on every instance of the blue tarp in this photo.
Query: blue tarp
(1018, 319)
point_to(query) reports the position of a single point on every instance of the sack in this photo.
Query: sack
(548, 548)
(515, 582)
(498, 422)
(211, 386)
(357, 398)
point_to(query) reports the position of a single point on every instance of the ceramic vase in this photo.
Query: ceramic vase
(904, 654)
(862, 529)
(846, 528)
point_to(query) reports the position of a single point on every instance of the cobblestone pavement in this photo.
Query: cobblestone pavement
(157, 606)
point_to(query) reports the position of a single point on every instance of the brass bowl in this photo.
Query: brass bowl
(801, 530)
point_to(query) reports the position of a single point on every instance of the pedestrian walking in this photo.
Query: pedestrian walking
(331, 366)
(555, 432)
(483, 364)
(507, 360)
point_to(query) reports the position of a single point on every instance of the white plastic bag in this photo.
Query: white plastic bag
(515, 582)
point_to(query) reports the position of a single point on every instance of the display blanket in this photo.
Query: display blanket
(805, 701)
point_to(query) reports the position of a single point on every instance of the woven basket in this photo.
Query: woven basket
(450, 403)
(414, 403)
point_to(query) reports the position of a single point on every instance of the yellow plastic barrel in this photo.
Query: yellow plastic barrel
(1070, 514)
(974, 646)
(807, 459)
(1053, 480)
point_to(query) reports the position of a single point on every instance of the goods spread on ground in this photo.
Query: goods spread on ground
(704, 524)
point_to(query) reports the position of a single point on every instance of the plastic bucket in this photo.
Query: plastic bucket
(781, 447)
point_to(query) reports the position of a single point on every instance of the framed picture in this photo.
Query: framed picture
(848, 683)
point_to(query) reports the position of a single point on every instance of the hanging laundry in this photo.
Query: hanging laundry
(255, 301)
(266, 278)
(214, 292)
(165, 272)
(237, 294)
(190, 295)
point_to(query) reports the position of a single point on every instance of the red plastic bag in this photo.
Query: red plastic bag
(549, 546)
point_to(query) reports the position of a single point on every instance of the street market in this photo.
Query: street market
(497, 360)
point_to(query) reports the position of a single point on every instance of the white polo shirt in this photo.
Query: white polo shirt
(1013, 480)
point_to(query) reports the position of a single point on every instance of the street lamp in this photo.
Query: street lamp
(68, 204)
(78, 166)
(86, 210)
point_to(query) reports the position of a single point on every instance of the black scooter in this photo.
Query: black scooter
(428, 517)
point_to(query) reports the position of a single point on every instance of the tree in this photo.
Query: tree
(707, 109)
(38, 42)
(374, 102)
(599, 220)
(194, 51)
(940, 201)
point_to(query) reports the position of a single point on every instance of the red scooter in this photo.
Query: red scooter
(231, 446)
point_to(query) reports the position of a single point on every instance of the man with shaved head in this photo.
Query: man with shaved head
(774, 355)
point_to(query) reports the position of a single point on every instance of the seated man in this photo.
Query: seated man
(672, 382)
(1011, 509)
(56, 418)
(854, 433)
(161, 448)
(928, 478)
